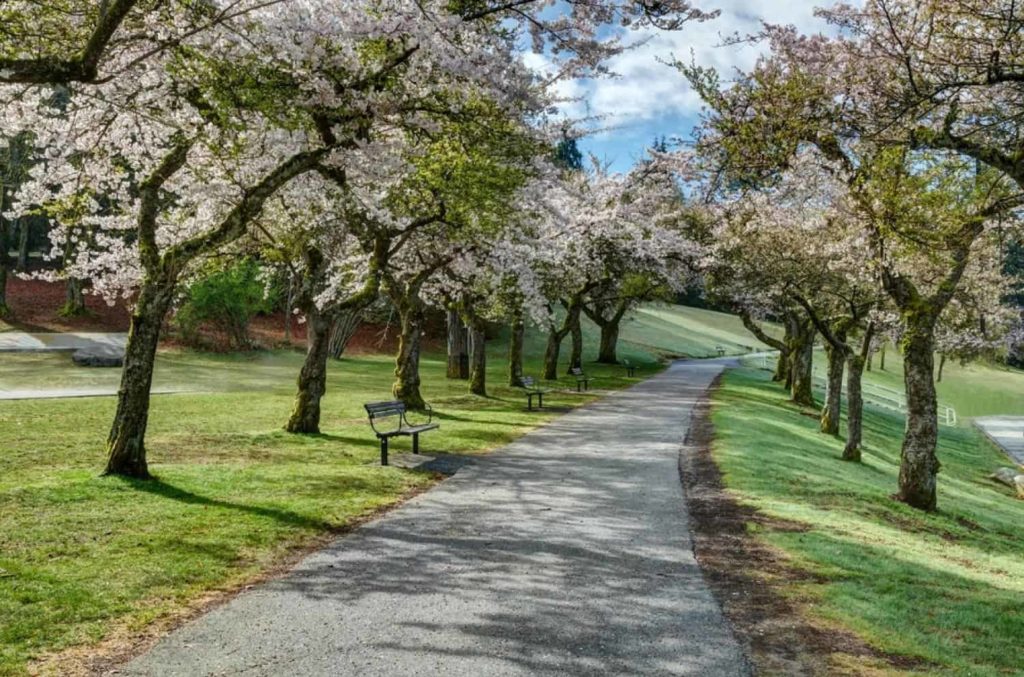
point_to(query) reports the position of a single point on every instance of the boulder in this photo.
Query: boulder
(1011, 477)
(99, 356)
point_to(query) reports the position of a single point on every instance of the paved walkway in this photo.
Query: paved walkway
(566, 553)
(19, 341)
(1007, 432)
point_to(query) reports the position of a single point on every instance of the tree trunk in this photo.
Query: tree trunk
(871, 362)
(24, 230)
(305, 418)
(576, 331)
(343, 328)
(126, 447)
(919, 465)
(854, 407)
(802, 363)
(407, 368)
(832, 410)
(4, 258)
(74, 299)
(554, 347)
(881, 357)
(5, 310)
(942, 367)
(515, 352)
(608, 353)
(289, 306)
(478, 358)
(457, 346)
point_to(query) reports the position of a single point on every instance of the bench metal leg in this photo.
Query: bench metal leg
(383, 451)
(529, 402)
(540, 400)
(416, 443)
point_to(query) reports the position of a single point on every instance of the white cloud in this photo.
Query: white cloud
(647, 89)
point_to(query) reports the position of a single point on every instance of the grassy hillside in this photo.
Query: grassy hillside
(952, 583)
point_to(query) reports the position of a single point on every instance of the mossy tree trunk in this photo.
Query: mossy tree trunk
(322, 326)
(919, 465)
(126, 448)
(126, 442)
(831, 412)
(407, 363)
(74, 299)
(855, 364)
(801, 353)
(517, 333)
(919, 314)
(312, 382)
(942, 367)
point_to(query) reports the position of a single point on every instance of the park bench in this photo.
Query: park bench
(531, 391)
(582, 380)
(396, 409)
(630, 368)
(720, 350)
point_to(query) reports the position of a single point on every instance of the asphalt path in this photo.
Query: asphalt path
(567, 552)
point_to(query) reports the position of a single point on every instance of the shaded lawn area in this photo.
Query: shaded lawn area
(945, 588)
(84, 556)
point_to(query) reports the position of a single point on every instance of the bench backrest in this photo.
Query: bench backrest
(526, 381)
(384, 409)
(576, 371)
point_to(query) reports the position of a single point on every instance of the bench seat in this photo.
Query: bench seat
(396, 409)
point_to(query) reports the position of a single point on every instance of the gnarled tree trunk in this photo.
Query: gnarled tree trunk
(407, 363)
(854, 407)
(126, 451)
(801, 354)
(919, 464)
(312, 383)
(551, 352)
(608, 352)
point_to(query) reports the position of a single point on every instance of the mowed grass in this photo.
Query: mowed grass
(83, 557)
(973, 389)
(946, 589)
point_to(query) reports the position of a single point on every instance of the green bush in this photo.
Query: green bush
(225, 300)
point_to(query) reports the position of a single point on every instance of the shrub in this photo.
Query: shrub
(225, 300)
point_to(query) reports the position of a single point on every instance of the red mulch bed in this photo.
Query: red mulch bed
(34, 304)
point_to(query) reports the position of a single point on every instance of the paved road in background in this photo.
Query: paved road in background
(566, 553)
(1007, 432)
(19, 341)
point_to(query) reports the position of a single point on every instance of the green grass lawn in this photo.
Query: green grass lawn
(974, 389)
(946, 588)
(83, 556)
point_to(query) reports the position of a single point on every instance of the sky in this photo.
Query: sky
(650, 99)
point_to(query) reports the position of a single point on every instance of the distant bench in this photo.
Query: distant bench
(531, 390)
(630, 368)
(397, 410)
(582, 380)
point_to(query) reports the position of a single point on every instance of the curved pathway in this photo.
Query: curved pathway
(566, 553)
